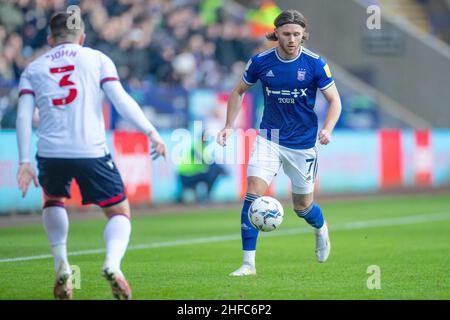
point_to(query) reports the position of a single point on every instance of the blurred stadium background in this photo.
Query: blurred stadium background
(180, 58)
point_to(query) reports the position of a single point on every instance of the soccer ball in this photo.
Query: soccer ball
(266, 213)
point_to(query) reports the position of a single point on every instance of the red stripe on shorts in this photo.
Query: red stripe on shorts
(110, 201)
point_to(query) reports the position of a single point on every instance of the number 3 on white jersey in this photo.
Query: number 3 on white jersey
(64, 82)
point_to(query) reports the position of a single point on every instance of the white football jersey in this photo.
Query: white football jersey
(66, 83)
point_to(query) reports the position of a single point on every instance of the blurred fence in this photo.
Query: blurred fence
(355, 162)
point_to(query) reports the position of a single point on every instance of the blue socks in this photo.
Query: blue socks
(249, 234)
(313, 215)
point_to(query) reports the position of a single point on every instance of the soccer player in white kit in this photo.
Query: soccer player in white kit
(290, 75)
(66, 85)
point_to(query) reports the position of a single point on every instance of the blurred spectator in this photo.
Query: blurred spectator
(261, 19)
(11, 17)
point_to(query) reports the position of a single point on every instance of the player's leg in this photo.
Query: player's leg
(256, 187)
(305, 208)
(101, 184)
(54, 177)
(56, 225)
(301, 167)
(263, 165)
(117, 235)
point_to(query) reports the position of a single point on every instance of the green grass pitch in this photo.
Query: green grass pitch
(181, 256)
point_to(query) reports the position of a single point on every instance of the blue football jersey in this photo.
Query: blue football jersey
(289, 88)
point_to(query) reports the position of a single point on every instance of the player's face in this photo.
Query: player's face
(289, 39)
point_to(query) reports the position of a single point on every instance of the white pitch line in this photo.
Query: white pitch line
(338, 227)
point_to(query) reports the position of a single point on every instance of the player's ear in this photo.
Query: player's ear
(50, 41)
(82, 39)
(305, 36)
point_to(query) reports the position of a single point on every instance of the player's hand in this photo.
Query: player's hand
(25, 175)
(324, 137)
(158, 147)
(223, 135)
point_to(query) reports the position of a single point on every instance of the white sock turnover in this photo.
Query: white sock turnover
(249, 257)
(117, 235)
(56, 224)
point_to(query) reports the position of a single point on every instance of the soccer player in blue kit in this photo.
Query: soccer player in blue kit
(290, 75)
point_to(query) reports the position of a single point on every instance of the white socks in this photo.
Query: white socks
(322, 230)
(116, 234)
(56, 224)
(249, 257)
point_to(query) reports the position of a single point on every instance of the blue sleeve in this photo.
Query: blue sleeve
(324, 79)
(250, 74)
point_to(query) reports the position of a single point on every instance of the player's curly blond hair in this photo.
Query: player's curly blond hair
(287, 17)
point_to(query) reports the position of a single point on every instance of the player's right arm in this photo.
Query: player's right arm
(25, 110)
(127, 106)
(130, 111)
(234, 105)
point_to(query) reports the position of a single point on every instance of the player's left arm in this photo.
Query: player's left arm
(325, 83)
(331, 94)
(25, 110)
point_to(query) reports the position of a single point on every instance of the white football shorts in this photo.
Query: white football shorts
(300, 165)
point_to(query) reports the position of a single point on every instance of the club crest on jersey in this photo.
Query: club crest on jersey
(301, 75)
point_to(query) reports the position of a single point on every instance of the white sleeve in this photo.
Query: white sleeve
(25, 112)
(126, 106)
(25, 84)
(108, 70)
